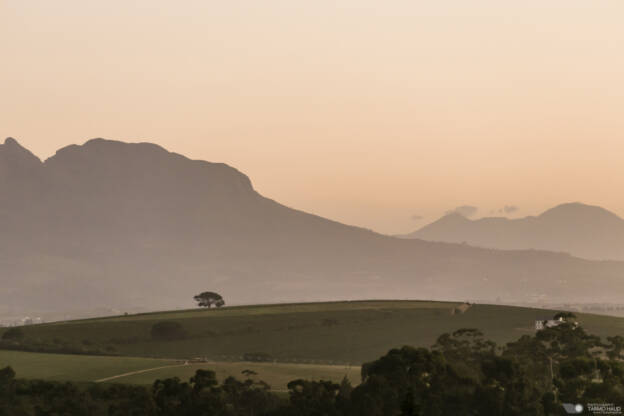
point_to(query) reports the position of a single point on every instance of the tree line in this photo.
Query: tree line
(463, 373)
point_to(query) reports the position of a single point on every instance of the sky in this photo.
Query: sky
(384, 115)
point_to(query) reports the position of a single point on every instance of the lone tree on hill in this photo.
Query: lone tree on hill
(566, 316)
(207, 299)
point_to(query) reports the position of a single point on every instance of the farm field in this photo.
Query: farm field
(85, 368)
(67, 367)
(277, 375)
(329, 333)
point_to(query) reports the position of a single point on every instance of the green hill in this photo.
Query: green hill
(312, 333)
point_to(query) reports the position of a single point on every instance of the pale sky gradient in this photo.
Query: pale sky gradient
(363, 111)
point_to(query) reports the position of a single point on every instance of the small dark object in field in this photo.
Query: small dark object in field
(249, 373)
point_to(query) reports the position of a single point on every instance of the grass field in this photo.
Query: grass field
(344, 333)
(64, 367)
(85, 368)
(276, 374)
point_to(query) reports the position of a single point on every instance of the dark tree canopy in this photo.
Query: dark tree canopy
(208, 299)
(565, 316)
(167, 331)
(13, 334)
(464, 373)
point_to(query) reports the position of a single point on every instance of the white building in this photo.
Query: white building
(548, 323)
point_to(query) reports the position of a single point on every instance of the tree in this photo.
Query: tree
(615, 347)
(207, 299)
(312, 398)
(204, 379)
(7, 387)
(565, 316)
(249, 373)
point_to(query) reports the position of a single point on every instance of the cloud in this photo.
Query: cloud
(464, 210)
(508, 209)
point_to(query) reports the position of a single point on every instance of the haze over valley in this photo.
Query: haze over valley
(117, 225)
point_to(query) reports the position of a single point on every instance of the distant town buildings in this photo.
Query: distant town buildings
(548, 323)
(551, 323)
(26, 320)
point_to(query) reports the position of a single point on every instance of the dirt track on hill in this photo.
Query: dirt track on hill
(132, 373)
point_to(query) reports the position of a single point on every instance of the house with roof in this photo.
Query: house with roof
(551, 323)
(548, 323)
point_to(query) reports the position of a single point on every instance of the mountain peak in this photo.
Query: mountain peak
(450, 222)
(582, 230)
(143, 166)
(454, 218)
(15, 156)
(12, 144)
(108, 143)
(10, 141)
(105, 147)
(577, 210)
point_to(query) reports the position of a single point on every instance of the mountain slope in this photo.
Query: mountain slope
(112, 224)
(582, 230)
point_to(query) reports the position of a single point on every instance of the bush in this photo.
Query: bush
(167, 331)
(13, 334)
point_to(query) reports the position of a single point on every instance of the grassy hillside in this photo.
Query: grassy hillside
(313, 333)
(85, 368)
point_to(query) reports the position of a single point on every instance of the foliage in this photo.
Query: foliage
(566, 316)
(462, 374)
(167, 331)
(13, 334)
(208, 299)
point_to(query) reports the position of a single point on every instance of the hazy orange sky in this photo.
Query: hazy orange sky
(362, 111)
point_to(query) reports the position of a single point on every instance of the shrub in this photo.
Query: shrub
(13, 334)
(167, 331)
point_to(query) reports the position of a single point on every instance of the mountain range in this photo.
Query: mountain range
(582, 230)
(122, 225)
